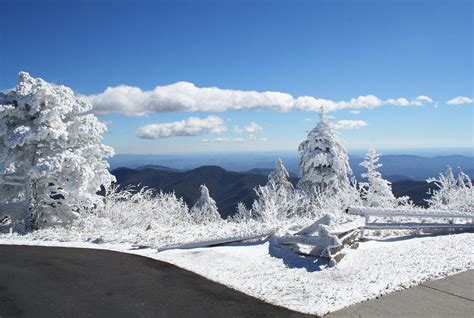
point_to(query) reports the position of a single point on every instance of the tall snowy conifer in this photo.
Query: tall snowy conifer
(324, 163)
(51, 146)
(278, 178)
(275, 200)
(205, 208)
(376, 192)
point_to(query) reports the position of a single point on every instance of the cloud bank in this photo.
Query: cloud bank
(349, 124)
(187, 97)
(192, 126)
(460, 100)
(253, 127)
(220, 140)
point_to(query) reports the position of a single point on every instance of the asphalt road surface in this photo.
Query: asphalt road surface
(71, 282)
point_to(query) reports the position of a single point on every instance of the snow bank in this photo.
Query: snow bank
(376, 268)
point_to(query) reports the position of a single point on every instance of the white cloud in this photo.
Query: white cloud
(253, 127)
(420, 100)
(186, 97)
(399, 101)
(235, 139)
(349, 124)
(460, 100)
(192, 126)
(402, 101)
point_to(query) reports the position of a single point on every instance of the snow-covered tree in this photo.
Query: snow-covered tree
(272, 204)
(243, 214)
(51, 148)
(279, 177)
(276, 199)
(455, 194)
(376, 192)
(324, 163)
(205, 208)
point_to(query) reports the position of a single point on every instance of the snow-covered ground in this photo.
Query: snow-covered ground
(264, 271)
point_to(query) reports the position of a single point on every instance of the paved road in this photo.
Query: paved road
(67, 282)
(449, 297)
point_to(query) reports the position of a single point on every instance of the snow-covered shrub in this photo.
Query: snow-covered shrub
(327, 201)
(51, 148)
(272, 204)
(205, 208)
(455, 194)
(143, 208)
(242, 215)
(376, 191)
(146, 218)
(276, 201)
(278, 178)
(324, 162)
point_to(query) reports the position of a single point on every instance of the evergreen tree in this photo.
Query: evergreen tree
(278, 178)
(324, 163)
(205, 208)
(51, 149)
(376, 192)
(276, 200)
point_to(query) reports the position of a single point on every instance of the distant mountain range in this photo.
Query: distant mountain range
(399, 167)
(395, 167)
(228, 187)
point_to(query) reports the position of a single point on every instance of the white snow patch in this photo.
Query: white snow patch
(376, 268)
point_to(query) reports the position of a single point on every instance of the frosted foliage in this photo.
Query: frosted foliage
(277, 200)
(273, 204)
(243, 214)
(52, 148)
(146, 218)
(279, 177)
(280, 204)
(453, 193)
(324, 162)
(328, 201)
(376, 191)
(205, 209)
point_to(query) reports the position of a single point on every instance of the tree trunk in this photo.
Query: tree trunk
(30, 204)
(29, 196)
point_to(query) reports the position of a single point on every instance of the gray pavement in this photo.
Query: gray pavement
(72, 282)
(448, 297)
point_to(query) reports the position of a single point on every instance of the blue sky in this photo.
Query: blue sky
(333, 50)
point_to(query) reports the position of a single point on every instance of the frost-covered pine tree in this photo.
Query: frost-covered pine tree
(452, 194)
(243, 214)
(276, 200)
(324, 163)
(376, 191)
(205, 208)
(278, 178)
(51, 147)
